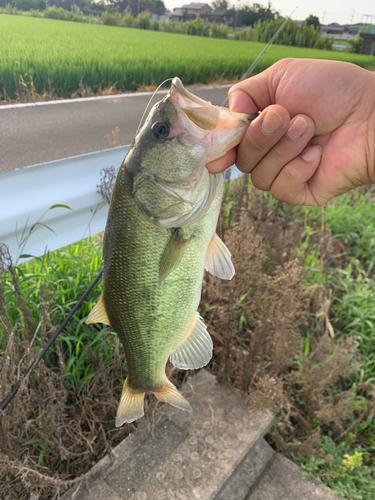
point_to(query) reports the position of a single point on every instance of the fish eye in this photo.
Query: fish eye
(160, 130)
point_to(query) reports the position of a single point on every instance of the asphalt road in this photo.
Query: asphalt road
(34, 134)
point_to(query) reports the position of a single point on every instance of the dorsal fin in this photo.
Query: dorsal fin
(218, 261)
(98, 313)
(195, 349)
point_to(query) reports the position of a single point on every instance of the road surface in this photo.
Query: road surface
(31, 134)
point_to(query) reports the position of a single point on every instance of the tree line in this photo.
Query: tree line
(307, 35)
(87, 7)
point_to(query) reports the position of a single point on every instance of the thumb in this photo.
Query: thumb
(251, 95)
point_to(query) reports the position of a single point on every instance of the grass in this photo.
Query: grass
(55, 280)
(39, 56)
(343, 471)
(351, 280)
(345, 273)
(350, 219)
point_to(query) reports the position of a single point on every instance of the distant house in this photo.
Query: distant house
(339, 31)
(353, 29)
(190, 12)
(165, 17)
(204, 11)
(153, 15)
(133, 8)
(230, 17)
(197, 9)
(177, 16)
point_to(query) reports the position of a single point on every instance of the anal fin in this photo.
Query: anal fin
(218, 261)
(98, 313)
(169, 394)
(195, 350)
(131, 406)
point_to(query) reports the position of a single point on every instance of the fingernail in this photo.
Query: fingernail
(297, 128)
(312, 154)
(272, 122)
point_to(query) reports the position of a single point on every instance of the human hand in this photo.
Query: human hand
(315, 137)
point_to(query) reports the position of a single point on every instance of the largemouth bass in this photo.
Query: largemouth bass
(159, 238)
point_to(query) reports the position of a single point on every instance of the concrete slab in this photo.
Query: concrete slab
(180, 455)
(283, 480)
(245, 477)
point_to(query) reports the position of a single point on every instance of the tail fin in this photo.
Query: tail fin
(169, 394)
(131, 405)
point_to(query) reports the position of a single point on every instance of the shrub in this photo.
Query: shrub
(110, 19)
(155, 25)
(354, 46)
(196, 27)
(63, 15)
(219, 31)
(324, 43)
(143, 21)
(127, 20)
(300, 36)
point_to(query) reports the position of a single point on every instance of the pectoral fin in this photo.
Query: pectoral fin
(173, 253)
(195, 349)
(218, 261)
(98, 313)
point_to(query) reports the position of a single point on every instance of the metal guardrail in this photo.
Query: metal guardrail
(26, 195)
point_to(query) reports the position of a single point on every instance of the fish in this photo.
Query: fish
(159, 238)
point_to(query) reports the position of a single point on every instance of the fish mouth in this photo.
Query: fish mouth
(184, 93)
(200, 121)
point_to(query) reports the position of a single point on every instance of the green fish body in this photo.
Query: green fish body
(159, 238)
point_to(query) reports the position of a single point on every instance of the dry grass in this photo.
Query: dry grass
(260, 321)
(48, 421)
(51, 433)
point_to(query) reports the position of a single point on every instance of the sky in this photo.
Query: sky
(328, 11)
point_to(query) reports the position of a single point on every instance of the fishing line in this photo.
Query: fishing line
(149, 102)
(15, 388)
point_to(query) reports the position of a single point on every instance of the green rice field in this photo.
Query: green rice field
(61, 58)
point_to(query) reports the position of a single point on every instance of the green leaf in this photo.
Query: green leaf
(41, 454)
(29, 256)
(19, 270)
(44, 225)
(60, 205)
